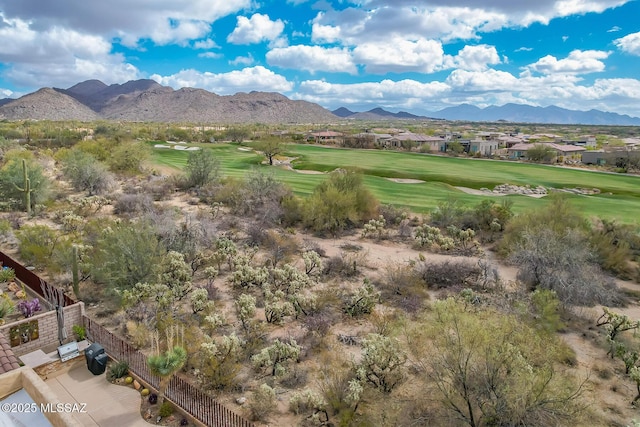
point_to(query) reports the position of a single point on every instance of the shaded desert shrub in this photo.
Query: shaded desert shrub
(402, 286)
(446, 274)
(133, 204)
(345, 265)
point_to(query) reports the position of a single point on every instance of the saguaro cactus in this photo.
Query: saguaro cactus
(75, 273)
(26, 186)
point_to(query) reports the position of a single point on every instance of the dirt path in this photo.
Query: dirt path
(383, 253)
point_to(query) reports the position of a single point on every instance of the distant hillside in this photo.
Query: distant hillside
(375, 114)
(528, 114)
(343, 112)
(146, 100)
(516, 113)
(47, 104)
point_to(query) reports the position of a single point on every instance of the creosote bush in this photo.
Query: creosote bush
(446, 274)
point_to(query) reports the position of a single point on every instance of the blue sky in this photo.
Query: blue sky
(409, 55)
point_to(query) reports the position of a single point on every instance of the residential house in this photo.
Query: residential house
(564, 153)
(327, 137)
(583, 141)
(484, 147)
(379, 139)
(507, 141)
(435, 143)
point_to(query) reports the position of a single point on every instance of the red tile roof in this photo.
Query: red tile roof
(8, 360)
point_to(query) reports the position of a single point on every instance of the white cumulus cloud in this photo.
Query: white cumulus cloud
(248, 79)
(476, 58)
(256, 29)
(313, 58)
(398, 55)
(59, 56)
(629, 43)
(578, 62)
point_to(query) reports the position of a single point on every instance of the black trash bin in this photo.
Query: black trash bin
(91, 353)
(99, 364)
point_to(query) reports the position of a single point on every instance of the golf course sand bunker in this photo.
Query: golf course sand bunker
(406, 180)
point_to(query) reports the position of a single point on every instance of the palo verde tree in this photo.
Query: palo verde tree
(202, 168)
(489, 368)
(340, 202)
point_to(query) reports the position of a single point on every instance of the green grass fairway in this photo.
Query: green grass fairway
(620, 198)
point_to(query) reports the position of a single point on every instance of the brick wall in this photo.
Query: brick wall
(47, 329)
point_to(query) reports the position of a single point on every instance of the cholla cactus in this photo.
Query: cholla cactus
(276, 355)
(375, 227)
(382, 362)
(365, 298)
(200, 300)
(305, 401)
(615, 323)
(245, 306)
(426, 235)
(312, 262)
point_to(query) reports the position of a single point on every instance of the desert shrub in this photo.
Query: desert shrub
(318, 324)
(133, 204)
(125, 253)
(344, 265)
(292, 210)
(402, 287)
(449, 212)
(492, 368)
(392, 215)
(128, 157)
(256, 234)
(306, 401)
(86, 173)
(262, 403)
(446, 274)
(202, 168)
(340, 388)
(615, 246)
(117, 370)
(295, 377)
(279, 246)
(158, 188)
(259, 194)
(38, 243)
(166, 409)
(547, 310)
(565, 264)
(7, 274)
(339, 203)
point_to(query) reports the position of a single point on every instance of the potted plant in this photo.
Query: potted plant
(80, 332)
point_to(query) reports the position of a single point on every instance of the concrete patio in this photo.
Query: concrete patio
(107, 404)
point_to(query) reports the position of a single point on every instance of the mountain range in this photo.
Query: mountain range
(148, 101)
(516, 113)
